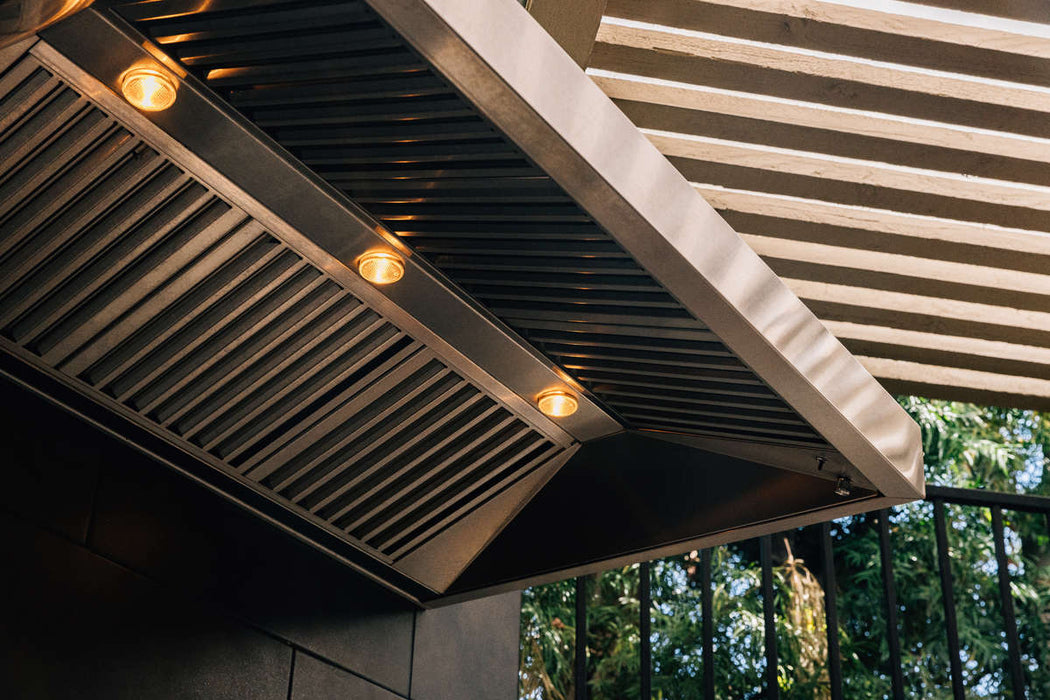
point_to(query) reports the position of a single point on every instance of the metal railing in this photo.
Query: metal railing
(938, 496)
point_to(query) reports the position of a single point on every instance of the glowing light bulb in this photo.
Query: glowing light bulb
(557, 403)
(381, 268)
(148, 89)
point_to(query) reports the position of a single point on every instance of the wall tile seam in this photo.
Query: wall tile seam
(291, 674)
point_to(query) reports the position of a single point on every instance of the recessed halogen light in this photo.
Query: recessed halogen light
(148, 89)
(557, 403)
(380, 267)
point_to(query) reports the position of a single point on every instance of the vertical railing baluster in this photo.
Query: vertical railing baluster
(1006, 596)
(831, 612)
(645, 630)
(948, 599)
(772, 661)
(581, 638)
(890, 593)
(707, 625)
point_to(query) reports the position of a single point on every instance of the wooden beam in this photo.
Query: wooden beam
(943, 349)
(899, 302)
(923, 268)
(779, 79)
(927, 230)
(776, 134)
(1026, 389)
(640, 97)
(914, 202)
(820, 23)
(841, 67)
(1025, 10)
(869, 173)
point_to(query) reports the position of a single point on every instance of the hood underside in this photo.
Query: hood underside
(186, 279)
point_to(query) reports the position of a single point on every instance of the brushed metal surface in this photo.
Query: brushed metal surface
(235, 158)
(20, 19)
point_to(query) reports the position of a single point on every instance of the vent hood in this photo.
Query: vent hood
(187, 279)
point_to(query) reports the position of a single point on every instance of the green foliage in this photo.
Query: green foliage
(1000, 450)
(613, 635)
(676, 619)
(981, 447)
(548, 634)
(966, 446)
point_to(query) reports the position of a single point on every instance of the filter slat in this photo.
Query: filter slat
(371, 451)
(370, 428)
(279, 286)
(373, 513)
(81, 250)
(426, 437)
(234, 383)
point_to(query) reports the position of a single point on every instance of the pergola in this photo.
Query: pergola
(886, 159)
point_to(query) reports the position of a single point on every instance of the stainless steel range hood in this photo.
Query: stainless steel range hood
(186, 278)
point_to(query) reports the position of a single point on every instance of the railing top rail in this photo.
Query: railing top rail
(980, 497)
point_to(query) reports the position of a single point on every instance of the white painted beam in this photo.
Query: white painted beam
(673, 41)
(956, 378)
(938, 24)
(1022, 241)
(927, 268)
(855, 122)
(934, 307)
(851, 170)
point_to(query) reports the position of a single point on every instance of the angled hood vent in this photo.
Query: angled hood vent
(192, 272)
(128, 277)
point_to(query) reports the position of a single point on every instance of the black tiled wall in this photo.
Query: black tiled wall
(123, 579)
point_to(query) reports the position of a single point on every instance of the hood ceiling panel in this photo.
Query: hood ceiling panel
(337, 87)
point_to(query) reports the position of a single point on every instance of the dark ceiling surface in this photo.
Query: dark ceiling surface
(632, 493)
(338, 88)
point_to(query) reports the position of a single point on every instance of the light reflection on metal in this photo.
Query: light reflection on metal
(610, 169)
(380, 267)
(557, 403)
(696, 258)
(148, 89)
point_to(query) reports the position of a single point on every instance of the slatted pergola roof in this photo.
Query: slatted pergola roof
(887, 159)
